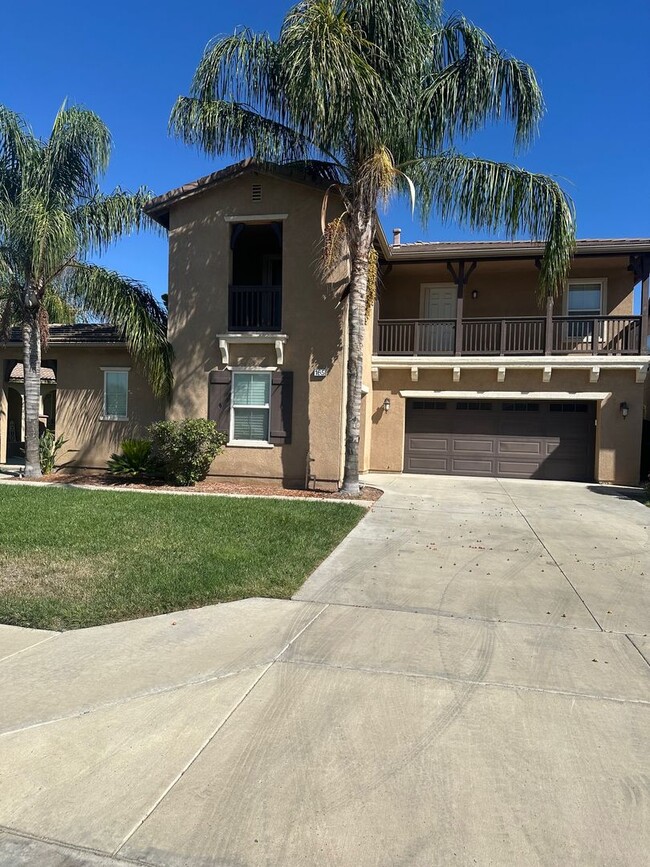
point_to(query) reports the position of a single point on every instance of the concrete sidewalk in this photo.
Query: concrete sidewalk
(464, 681)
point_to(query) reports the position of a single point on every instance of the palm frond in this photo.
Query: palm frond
(488, 195)
(240, 67)
(131, 307)
(79, 150)
(106, 217)
(472, 83)
(325, 76)
(219, 126)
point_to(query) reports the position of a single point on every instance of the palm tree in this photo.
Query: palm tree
(378, 93)
(52, 217)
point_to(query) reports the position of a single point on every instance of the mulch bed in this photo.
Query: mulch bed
(208, 486)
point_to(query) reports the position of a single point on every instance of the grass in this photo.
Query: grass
(72, 558)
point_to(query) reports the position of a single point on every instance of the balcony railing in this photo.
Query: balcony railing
(525, 335)
(255, 308)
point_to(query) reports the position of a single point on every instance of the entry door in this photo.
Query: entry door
(438, 303)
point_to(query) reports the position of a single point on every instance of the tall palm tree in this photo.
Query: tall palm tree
(381, 91)
(52, 217)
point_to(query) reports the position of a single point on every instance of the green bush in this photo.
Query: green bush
(185, 449)
(48, 448)
(134, 460)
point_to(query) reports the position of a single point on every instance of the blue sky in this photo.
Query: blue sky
(131, 61)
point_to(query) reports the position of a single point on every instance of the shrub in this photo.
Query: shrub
(48, 448)
(646, 491)
(134, 460)
(185, 449)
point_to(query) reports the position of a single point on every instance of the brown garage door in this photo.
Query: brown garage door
(513, 439)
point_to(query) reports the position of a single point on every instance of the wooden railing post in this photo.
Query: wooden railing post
(502, 343)
(375, 327)
(595, 333)
(645, 312)
(416, 338)
(548, 342)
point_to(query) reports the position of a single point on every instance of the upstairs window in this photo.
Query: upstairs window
(255, 302)
(584, 303)
(585, 299)
(116, 394)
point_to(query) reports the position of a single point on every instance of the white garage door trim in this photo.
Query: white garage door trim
(508, 395)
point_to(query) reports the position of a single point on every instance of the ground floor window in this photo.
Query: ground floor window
(116, 394)
(251, 407)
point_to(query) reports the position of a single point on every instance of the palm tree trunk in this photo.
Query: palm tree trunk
(361, 243)
(32, 372)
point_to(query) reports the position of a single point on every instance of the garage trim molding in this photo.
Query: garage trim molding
(509, 395)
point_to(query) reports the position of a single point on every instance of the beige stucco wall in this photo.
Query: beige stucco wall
(79, 403)
(199, 274)
(618, 440)
(504, 288)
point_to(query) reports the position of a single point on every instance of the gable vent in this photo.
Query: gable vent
(257, 193)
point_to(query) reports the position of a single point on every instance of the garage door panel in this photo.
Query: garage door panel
(515, 439)
(429, 444)
(517, 469)
(472, 467)
(477, 445)
(429, 465)
(532, 448)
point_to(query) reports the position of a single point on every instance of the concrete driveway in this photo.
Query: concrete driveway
(464, 681)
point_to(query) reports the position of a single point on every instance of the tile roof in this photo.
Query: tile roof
(17, 374)
(445, 249)
(85, 333)
(313, 173)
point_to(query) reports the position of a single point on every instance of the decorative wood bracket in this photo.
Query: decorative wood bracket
(501, 374)
(641, 374)
(415, 374)
(225, 351)
(456, 374)
(374, 372)
(547, 372)
(594, 374)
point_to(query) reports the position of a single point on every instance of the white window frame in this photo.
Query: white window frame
(250, 444)
(582, 281)
(105, 415)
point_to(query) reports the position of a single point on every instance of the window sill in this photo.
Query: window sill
(114, 418)
(249, 444)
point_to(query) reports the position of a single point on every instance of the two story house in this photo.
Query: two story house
(465, 372)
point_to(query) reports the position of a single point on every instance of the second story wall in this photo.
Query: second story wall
(505, 288)
(200, 272)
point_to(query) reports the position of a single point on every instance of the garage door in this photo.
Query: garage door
(512, 439)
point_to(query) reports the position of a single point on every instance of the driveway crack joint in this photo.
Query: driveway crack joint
(211, 737)
(541, 542)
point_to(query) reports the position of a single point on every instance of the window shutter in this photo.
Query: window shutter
(219, 399)
(281, 407)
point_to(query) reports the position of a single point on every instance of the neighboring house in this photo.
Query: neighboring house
(92, 394)
(464, 373)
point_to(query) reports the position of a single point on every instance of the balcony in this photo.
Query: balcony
(255, 308)
(525, 335)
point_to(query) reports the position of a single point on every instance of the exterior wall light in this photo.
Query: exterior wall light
(625, 409)
(474, 294)
(387, 404)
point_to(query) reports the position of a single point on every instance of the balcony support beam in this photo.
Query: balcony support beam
(548, 343)
(461, 278)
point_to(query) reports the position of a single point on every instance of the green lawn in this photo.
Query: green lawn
(71, 558)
